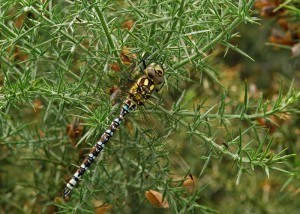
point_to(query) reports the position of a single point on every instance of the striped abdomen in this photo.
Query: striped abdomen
(99, 146)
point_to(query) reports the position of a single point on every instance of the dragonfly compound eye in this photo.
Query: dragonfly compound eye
(155, 72)
(159, 71)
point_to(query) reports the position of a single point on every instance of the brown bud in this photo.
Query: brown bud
(156, 199)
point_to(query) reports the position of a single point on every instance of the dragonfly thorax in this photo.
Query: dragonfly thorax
(145, 85)
(141, 90)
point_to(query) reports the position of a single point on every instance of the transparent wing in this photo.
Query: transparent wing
(163, 153)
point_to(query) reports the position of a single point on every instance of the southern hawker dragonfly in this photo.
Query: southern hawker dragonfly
(141, 91)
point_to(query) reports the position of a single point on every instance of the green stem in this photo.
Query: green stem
(176, 18)
(106, 31)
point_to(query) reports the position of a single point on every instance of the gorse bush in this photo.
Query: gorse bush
(60, 59)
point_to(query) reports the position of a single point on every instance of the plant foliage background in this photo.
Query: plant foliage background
(233, 120)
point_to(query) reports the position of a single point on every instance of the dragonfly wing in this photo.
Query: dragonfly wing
(156, 132)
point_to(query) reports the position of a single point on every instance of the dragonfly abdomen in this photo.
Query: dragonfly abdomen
(99, 146)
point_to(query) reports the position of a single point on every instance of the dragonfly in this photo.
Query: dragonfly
(139, 93)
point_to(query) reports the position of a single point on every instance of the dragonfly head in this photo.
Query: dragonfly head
(156, 73)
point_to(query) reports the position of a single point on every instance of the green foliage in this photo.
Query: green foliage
(56, 59)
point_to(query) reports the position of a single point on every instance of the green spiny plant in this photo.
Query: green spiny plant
(56, 63)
